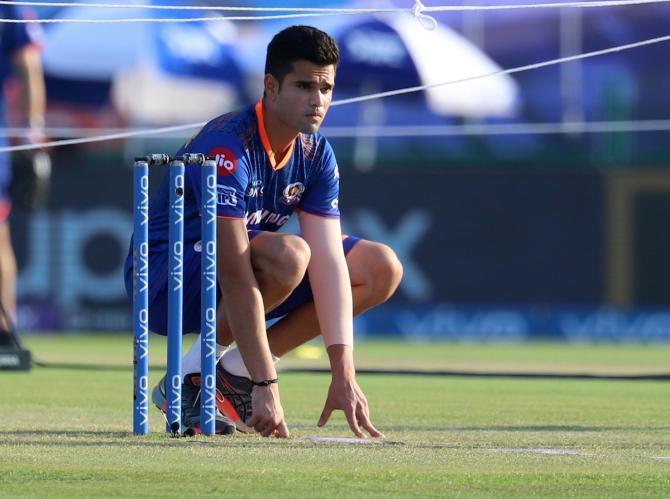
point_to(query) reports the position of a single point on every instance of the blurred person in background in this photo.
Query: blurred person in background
(20, 55)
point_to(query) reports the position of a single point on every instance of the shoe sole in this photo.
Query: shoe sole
(228, 410)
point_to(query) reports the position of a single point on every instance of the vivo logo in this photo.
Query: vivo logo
(209, 272)
(142, 404)
(209, 385)
(143, 207)
(141, 262)
(177, 271)
(142, 340)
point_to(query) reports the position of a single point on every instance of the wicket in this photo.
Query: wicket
(175, 292)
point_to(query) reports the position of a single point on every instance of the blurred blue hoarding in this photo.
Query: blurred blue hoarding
(487, 254)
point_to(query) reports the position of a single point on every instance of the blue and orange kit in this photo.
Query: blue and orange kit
(251, 184)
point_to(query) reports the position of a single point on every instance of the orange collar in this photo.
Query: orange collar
(266, 141)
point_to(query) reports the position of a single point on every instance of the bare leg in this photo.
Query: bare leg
(279, 262)
(7, 278)
(375, 274)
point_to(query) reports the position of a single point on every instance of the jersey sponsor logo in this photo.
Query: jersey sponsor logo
(255, 189)
(336, 173)
(292, 193)
(266, 216)
(335, 203)
(226, 162)
(226, 196)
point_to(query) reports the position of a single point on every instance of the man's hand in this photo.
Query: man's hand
(268, 414)
(347, 396)
(344, 393)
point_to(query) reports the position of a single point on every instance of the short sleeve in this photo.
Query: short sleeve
(322, 196)
(232, 170)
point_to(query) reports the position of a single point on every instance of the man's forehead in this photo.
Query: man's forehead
(308, 71)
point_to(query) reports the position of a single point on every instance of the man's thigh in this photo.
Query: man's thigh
(303, 293)
(263, 244)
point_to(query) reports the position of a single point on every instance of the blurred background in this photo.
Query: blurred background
(533, 205)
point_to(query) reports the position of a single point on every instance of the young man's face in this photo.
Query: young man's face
(305, 95)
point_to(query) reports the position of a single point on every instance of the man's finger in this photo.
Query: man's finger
(364, 421)
(351, 418)
(325, 415)
(266, 427)
(374, 432)
(267, 430)
(251, 423)
(282, 430)
(262, 425)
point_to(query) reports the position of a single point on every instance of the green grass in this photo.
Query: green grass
(66, 431)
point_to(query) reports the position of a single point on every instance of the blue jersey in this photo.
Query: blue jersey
(251, 185)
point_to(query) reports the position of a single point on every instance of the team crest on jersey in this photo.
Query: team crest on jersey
(226, 196)
(226, 161)
(292, 193)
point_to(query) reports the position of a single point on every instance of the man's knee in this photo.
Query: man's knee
(283, 262)
(379, 268)
(386, 270)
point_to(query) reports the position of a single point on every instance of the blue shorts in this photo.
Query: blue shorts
(158, 296)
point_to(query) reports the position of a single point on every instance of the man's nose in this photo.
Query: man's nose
(317, 99)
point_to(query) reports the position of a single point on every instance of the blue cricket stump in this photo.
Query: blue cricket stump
(175, 292)
(208, 297)
(175, 295)
(141, 298)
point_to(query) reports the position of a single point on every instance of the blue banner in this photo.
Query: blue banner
(472, 323)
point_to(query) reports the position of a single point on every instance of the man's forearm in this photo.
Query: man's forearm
(333, 301)
(341, 359)
(244, 311)
(242, 300)
(29, 68)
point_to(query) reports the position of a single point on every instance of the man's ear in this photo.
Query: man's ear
(270, 86)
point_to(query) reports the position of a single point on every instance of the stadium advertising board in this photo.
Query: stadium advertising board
(487, 254)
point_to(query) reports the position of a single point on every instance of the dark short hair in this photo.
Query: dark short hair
(299, 43)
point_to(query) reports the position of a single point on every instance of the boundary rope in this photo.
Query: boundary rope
(379, 95)
(418, 10)
(332, 10)
(337, 132)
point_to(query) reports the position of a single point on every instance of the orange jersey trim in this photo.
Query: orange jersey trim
(266, 141)
(230, 218)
